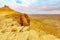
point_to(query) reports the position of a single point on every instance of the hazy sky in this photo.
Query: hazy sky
(33, 6)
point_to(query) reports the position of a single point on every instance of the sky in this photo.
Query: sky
(33, 6)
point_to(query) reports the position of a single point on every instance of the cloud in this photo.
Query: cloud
(32, 6)
(48, 8)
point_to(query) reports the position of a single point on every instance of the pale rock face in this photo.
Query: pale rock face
(16, 26)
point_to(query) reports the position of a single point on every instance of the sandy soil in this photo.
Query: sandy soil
(49, 23)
